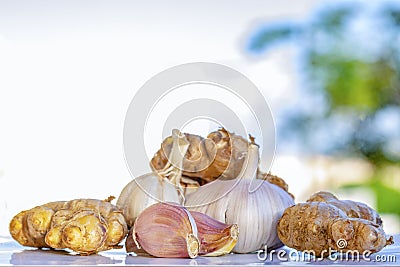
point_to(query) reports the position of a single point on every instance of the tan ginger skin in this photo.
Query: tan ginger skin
(320, 227)
(352, 208)
(85, 226)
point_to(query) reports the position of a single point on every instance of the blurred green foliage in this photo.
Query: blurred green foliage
(350, 59)
(388, 198)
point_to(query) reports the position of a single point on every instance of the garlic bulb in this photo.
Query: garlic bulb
(234, 202)
(160, 186)
(134, 198)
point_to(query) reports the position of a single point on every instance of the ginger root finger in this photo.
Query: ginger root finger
(29, 227)
(305, 226)
(352, 208)
(83, 225)
(85, 233)
(361, 235)
(321, 228)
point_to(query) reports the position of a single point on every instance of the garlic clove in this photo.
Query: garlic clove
(166, 230)
(131, 246)
(216, 238)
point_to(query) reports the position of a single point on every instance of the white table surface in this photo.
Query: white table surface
(12, 254)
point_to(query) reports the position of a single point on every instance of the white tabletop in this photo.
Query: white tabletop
(12, 254)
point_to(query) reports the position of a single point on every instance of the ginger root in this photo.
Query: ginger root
(85, 226)
(326, 224)
(352, 209)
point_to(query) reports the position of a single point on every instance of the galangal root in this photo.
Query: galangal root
(325, 224)
(85, 226)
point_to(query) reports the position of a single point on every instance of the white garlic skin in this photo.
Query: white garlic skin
(134, 198)
(257, 213)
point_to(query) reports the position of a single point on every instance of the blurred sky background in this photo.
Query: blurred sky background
(69, 69)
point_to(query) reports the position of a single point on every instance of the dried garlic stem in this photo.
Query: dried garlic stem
(173, 168)
(250, 164)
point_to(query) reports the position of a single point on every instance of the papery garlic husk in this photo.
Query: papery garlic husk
(216, 238)
(221, 154)
(166, 230)
(155, 187)
(230, 156)
(255, 205)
